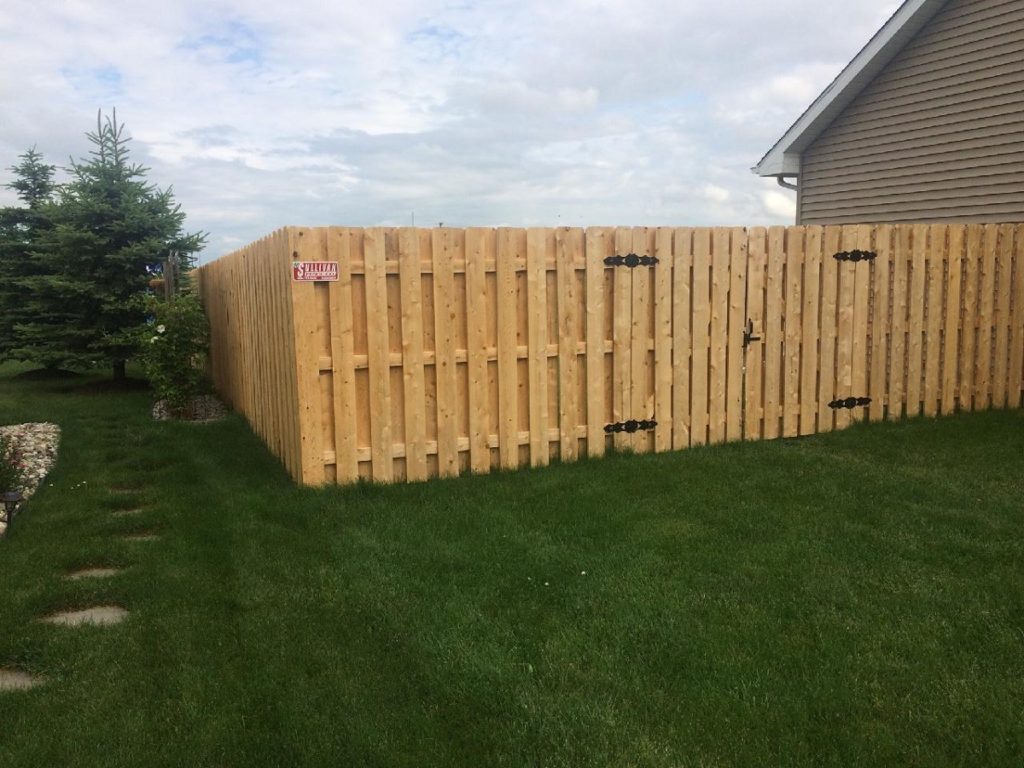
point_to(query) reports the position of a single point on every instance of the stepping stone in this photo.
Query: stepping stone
(16, 680)
(140, 537)
(92, 573)
(128, 512)
(100, 615)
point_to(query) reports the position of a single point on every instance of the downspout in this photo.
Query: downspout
(781, 179)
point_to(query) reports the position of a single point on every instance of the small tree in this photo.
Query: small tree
(22, 229)
(111, 230)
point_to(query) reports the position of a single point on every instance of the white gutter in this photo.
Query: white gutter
(783, 159)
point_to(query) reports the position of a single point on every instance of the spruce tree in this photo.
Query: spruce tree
(112, 229)
(21, 231)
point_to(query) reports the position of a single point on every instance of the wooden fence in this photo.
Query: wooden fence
(444, 351)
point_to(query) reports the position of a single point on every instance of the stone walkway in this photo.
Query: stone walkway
(39, 445)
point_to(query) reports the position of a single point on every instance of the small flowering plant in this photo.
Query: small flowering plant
(12, 467)
(171, 349)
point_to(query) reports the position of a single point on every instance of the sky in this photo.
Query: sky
(396, 112)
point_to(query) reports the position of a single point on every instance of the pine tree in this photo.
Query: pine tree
(21, 231)
(112, 230)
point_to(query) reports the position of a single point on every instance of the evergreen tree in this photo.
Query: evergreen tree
(21, 230)
(111, 231)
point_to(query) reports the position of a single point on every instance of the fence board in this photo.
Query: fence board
(308, 245)
(479, 252)
(701, 335)
(622, 347)
(863, 273)
(539, 246)
(969, 322)
(510, 250)
(340, 298)
(934, 313)
(598, 245)
(682, 266)
(1001, 337)
(414, 389)
(641, 404)
(809, 353)
(903, 246)
(773, 335)
(847, 303)
(757, 264)
(1016, 372)
(792, 328)
(374, 254)
(663, 374)
(951, 319)
(829, 324)
(568, 251)
(986, 321)
(915, 321)
(718, 361)
(879, 321)
(734, 337)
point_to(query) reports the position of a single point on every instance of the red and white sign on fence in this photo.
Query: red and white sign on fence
(314, 270)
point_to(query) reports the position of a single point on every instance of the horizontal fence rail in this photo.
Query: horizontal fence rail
(433, 352)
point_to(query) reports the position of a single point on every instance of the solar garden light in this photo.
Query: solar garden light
(11, 499)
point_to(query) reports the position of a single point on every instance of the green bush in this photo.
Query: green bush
(172, 346)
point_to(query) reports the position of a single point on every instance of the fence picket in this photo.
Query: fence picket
(1016, 372)
(510, 250)
(951, 320)
(701, 335)
(809, 354)
(757, 264)
(538, 246)
(599, 245)
(682, 267)
(1001, 337)
(663, 373)
(880, 321)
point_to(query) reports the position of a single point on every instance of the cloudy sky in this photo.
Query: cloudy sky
(467, 112)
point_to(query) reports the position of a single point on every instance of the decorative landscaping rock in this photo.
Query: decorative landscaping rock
(202, 409)
(37, 443)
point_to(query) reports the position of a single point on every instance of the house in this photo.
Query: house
(925, 124)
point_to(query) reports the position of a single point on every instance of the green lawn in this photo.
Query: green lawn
(850, 599)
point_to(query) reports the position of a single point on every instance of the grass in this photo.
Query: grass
(855, 598)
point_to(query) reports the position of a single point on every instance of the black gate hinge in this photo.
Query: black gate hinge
(855, 255)
(630, 426)
(631, 260)
(850, 402)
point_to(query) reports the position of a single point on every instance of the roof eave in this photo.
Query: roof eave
(784, 157)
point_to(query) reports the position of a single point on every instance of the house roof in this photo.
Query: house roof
(784, 157)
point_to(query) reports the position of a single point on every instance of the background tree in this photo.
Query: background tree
(111, 230)
(21, 231)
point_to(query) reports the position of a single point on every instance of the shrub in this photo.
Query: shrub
(11, 465)
(172, 347)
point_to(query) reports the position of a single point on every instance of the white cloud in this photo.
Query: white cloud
(779, 204)
(716, 194)
(506, 111)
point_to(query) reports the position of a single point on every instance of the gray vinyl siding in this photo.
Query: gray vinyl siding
(937, 136)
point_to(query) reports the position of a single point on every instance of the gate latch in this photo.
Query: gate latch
(748, 334)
